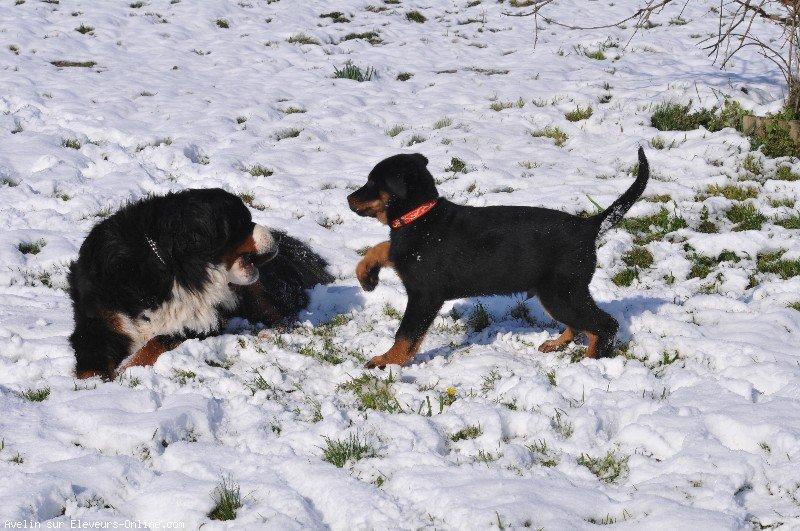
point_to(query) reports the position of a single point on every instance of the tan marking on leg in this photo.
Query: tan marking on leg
(368, 268)
(591, 351)
(148, 354)
(402, 352)
(559, 343)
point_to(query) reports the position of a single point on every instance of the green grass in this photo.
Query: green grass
(559, 423)
(353, 72)
(442, 123)
(222, 23)
(470, 432)
(339, 451)
(302, 38)
(84, 29)
(227, 500)
(578, 114)
(732, 192)
(558, 136)
(639, 257)
(71, 143)
(773, 263)
(292, 132)
(541, 452)
(336, 16)
(479, 319)
(73, 64)
(753, 164)
(776, 141)
(31, 247)
(258, 170)
(608, 468)
(792, 222)
(404, 76)
(457, 166)
(498, 106)
(703, 265)
(785, 173)
(415, 139)
(672, 116)
(182, 376)
(328, 352)
(395, 130)
(293, 110)
(654, 227)
(625, 277)
(745, 216)
(373, 393)
(373, 37)
(36, 395)
(415, 16)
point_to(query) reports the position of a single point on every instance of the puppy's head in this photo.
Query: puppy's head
(394, 186)
(219, 229)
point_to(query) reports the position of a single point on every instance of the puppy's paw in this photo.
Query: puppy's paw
(367, 275)
(377, 361)
(552, 346)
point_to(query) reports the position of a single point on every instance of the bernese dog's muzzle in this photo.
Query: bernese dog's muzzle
(257, 250)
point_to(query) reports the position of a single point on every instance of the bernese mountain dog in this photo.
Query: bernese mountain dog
(168, 268)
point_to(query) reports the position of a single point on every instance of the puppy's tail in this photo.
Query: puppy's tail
(613, 214)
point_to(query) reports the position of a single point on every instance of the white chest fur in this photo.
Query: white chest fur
(197, 311)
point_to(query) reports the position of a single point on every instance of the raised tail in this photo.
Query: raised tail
(613, 214)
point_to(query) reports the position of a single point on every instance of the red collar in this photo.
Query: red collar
(413, 215)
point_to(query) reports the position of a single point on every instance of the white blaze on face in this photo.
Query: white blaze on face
(243, 271)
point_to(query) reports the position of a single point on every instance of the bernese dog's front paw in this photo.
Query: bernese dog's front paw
(367, 275)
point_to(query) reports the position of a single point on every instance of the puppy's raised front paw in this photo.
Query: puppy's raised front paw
(367, 276)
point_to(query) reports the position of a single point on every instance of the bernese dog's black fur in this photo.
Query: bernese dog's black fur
(166, 268)
(443, 251)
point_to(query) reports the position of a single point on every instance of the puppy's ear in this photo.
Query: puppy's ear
(420, 158)
(396, 185)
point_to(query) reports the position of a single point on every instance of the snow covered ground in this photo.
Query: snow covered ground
(696, 426)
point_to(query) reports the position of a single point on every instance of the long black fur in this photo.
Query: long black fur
(117, 272)
(457, 251)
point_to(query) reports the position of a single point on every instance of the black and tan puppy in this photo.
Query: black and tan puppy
(444, 251)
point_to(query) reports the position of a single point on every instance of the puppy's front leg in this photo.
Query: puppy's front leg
(368, 268)
(420, 313)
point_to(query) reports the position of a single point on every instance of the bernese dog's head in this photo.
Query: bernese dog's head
(219, 229)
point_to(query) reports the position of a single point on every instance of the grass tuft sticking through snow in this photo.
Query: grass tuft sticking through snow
(227, 500)
(355, 447)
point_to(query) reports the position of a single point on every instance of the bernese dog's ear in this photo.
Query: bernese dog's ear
(421, 159)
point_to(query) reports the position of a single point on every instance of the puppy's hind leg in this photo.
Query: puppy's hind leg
(559, 343)
(577, 309)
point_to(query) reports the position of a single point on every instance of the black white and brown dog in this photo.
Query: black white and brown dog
(443, 251)
(167, 268)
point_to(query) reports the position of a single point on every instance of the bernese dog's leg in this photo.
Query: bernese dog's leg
(256, 306)
(368, 268)
(99, 345)
(148, 354)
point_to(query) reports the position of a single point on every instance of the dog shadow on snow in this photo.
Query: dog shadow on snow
(501, 309)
